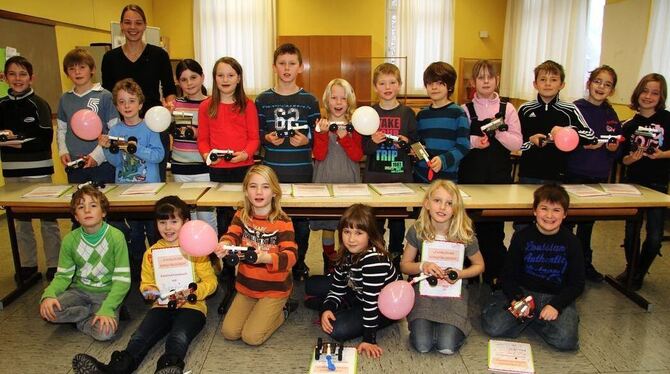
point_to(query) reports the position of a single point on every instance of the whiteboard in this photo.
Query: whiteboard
(152, 35)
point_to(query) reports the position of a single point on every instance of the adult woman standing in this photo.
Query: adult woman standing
(147, 64)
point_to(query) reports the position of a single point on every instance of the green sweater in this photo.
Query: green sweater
(95, 263)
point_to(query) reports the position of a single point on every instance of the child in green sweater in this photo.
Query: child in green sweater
(93, 273)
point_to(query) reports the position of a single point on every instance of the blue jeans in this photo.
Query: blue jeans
(561, 333)
(396, 234)
(424, 335)
(181, 326)
(651, 246)
(302, 231)
(349, 317)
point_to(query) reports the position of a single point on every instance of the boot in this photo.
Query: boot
(121, 363)
(646, 259)
(623, 277)
(300, 271)
(227, 282)
(170, 364)
(85, 364)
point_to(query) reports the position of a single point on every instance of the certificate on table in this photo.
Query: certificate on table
(310, 190)
(172, 270)
(391, 189)
(446, 255)
(199, 185)
(52, 191)
(143, 189)
(510, 357)
(582, 190)
(350, 189)
(620, 189)
(286, 189)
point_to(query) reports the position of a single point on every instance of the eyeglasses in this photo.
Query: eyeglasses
(600, 82)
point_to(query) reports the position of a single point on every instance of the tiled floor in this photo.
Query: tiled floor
(615, 334)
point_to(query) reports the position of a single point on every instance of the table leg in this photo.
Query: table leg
(21, 285)
(626, 289)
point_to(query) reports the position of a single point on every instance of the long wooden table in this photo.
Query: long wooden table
(485, 203)
(120, 206)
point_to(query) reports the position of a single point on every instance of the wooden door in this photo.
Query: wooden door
(339, 56)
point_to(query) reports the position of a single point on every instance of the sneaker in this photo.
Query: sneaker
(51, 272)
(170, 370)
(85, 364)
(290, 307)
(593, 275)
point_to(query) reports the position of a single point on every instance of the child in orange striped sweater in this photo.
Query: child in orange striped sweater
(263, 287)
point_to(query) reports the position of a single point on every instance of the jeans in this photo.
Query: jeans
(135, 235)
(651, 246)
(424, 335)
(396, 234)
(181, 326)
(204, 214)
(349, 316)
(226, 175)
(79, 307)
(561, 333)
(584, 229)
(302, 231)
(25, 235)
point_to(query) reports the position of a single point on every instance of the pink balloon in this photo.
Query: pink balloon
(396, 299)
(86, 124)
(197, 238)
(566, 139)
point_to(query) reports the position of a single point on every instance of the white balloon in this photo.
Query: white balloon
(158, 118)
(365, 120)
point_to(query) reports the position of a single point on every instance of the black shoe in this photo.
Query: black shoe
(121, 362)
(290, 307)
(169, 364)
(85, 364)
(51, 272)
(300, 272)
(25, 272)
(623, 277)
(593, 275)
(228, 295)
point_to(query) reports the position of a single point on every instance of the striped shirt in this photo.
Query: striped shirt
(282, 113)
(185, 157)
(446, 133)
(365, 279)
(275, 238)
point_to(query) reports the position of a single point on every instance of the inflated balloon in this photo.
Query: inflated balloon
(158, 118)
(396, 299)
(197, 238)
(86, 124)
(365, 120)
(566, 139)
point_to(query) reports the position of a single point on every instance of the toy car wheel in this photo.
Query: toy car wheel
(189, 133)
(350, 127)
(228, 156)
(333, 127)
(191, 298)
(172, 305)
(432, 281)
(3, 138)
(193, 286)
(231, 260)
(250, 257)
(503, 127)
(114, 148)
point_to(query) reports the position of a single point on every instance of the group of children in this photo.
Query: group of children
(298, 146)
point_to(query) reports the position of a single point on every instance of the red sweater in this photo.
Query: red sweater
(275, 238)
(351, 143)
(229, 130)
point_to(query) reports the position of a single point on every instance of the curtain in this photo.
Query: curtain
(656, 57)
(566, 31)
(242, 29)
(423, 31)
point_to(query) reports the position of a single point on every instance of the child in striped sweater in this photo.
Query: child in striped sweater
(362, 269)
(263, 287)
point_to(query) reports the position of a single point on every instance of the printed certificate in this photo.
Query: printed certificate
(446, 255)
